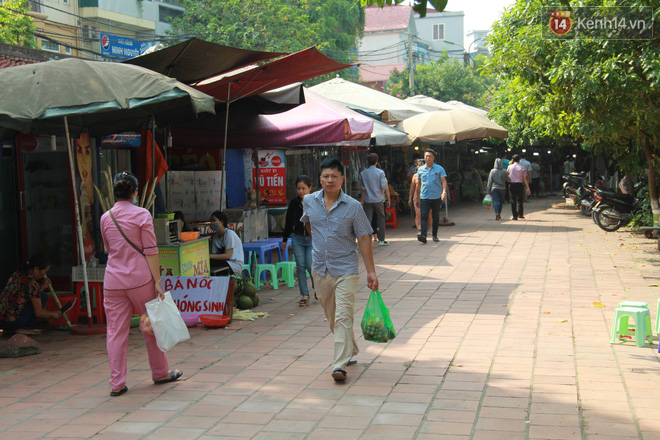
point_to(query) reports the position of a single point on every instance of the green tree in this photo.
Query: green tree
(445, 79)
(334, 26)
(600, 93)
(16, 25)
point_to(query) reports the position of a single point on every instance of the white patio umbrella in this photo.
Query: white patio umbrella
(392, 109)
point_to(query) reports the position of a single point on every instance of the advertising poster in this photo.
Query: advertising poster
(271, 176)
(201, 295)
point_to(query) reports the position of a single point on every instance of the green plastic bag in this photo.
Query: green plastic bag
(376, 323)
(488, 201)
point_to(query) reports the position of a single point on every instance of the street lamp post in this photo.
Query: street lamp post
(466, 53)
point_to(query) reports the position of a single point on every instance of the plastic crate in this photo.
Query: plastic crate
(94, 274)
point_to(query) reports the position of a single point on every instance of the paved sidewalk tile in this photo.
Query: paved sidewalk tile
(503, 332)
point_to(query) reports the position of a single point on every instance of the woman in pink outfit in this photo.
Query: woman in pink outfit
(132, 278)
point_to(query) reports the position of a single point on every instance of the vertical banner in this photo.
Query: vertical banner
(271, 176)
(84, 161)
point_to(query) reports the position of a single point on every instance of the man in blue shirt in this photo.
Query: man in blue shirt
(336, 221)
(373, 184)
(433, 179)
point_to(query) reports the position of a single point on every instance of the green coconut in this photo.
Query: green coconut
(249, 289)
(255, 300)
(245, 302)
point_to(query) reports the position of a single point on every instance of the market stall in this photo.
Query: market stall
(185, 258)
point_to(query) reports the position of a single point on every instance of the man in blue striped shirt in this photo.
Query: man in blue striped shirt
(336, 221)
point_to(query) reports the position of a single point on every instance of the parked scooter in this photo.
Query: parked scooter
(572, 184)
(586, 197)
(613, 210)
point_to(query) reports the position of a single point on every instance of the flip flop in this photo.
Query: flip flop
(304, 302)
(174, 375)
(118, 393)
(351, 362)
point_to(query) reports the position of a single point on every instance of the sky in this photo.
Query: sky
(479, 14)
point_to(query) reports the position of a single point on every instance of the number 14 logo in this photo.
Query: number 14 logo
(560, 22)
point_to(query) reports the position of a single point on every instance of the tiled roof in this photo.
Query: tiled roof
(11, 61)
(387, 18)
(379, 73)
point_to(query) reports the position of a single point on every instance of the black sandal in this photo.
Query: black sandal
(119, 393)
(304, 302)
(174, 375)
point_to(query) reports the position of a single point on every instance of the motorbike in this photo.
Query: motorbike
(613, 210)
(586, 197)
(572, 184)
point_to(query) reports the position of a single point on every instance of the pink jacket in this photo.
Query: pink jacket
(126, 268)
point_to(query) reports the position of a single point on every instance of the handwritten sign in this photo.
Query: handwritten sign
(200, 295)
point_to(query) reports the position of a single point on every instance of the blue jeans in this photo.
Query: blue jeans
(302, 250)
(432, 205)
(27, 317)
(498, 198)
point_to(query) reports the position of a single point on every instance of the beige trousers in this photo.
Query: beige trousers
(337, 297)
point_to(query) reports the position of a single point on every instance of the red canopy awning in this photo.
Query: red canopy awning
(254, 80)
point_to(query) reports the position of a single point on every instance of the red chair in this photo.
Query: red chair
(95, 298)
(390, 218)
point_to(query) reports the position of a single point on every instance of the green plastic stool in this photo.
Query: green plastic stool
(288, 269)
(635, 304)
(642, 327)
(247, 267)
(657, 321)
(269, 268)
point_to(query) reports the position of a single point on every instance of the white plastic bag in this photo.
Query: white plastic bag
(169, 328)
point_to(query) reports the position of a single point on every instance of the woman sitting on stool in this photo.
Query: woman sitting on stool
(23, 299)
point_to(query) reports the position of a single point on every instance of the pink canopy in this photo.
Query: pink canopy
(317, 121)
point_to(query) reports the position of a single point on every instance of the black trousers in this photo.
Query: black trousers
(517, 197)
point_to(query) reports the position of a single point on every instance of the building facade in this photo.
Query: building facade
(102, 29)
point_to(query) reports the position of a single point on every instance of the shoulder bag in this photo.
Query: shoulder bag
(124, 235)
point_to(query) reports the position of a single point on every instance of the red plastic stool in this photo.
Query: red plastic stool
(95, 297)
(452, 196)
(390, 218)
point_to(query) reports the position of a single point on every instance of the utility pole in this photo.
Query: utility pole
(411, 67)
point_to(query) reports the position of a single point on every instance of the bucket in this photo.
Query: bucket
(656, 218)
(72, 314)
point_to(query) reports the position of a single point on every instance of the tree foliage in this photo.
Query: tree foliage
(601, 93)
(334, 26)
(445, 79)
(16, 26)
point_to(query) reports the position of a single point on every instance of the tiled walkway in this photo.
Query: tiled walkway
(498, 338)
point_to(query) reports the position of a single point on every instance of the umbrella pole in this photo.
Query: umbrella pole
(224, 150)
(81, 247)
(445, 221)
(153, 159)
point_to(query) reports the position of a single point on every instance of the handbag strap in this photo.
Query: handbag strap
(124, 235)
